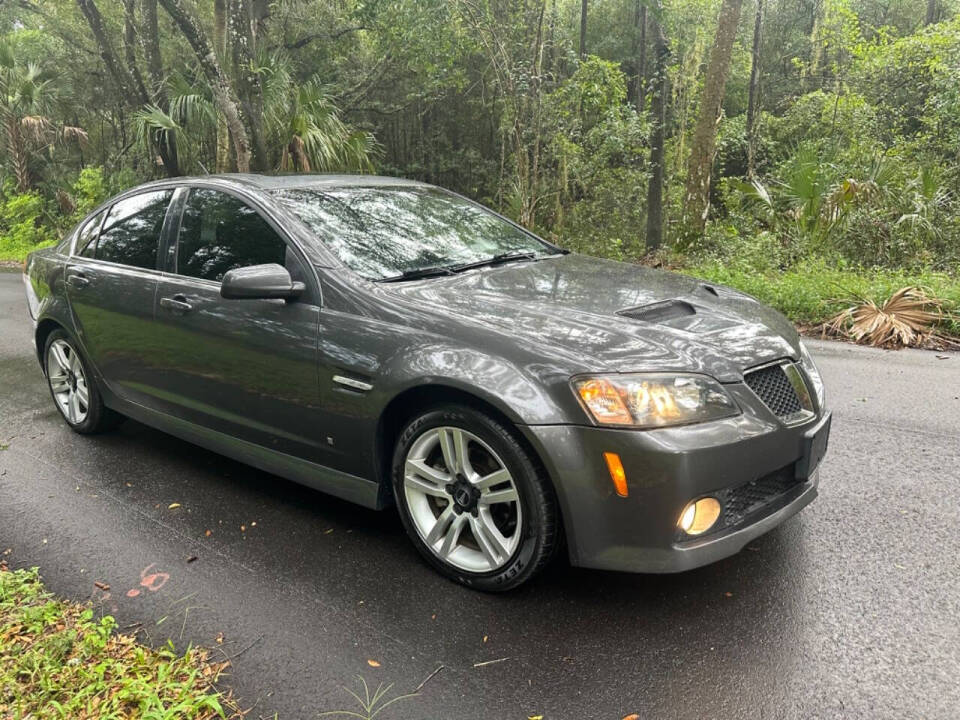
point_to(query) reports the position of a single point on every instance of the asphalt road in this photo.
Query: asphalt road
(851, 609)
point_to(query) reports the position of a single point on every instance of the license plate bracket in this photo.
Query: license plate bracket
(814, 447)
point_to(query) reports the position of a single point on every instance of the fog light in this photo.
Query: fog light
(699, 516)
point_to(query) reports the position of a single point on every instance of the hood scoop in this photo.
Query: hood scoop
(660, 312)
(684, 316)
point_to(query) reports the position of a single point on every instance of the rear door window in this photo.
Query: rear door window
(131, 232)
(87, 238)
(219, 232)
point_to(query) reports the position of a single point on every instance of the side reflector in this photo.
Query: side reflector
(617, 474)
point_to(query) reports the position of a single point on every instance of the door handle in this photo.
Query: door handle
(77, 280)
(177, 304)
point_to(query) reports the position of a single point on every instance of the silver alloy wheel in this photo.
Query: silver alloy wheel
(67, 381)
(462, 499)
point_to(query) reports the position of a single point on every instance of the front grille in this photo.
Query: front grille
(739, 502)
(773, 387)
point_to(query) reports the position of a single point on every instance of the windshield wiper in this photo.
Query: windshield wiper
(417, 273)
(496, 260)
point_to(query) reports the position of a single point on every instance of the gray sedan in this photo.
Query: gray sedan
(395, 344)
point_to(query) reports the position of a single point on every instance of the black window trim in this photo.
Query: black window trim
(105, 208)
(171, 237)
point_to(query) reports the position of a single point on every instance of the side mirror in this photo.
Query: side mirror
(260, 282)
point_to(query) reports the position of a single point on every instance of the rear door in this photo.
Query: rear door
(111, 282)
(247, 368)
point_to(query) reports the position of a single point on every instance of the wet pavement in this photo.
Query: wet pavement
(851, 609)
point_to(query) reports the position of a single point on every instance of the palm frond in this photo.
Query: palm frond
(908, 318)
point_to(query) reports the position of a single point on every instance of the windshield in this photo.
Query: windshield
(385, 232)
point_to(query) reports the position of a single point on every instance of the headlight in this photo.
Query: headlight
(645, 400)
(811, 370)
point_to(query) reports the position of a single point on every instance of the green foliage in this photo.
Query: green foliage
(23, 225)
(89, 190)
(58, 661)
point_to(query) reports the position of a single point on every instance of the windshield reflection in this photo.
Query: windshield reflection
(385, 232)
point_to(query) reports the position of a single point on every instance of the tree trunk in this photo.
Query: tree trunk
(17, 150)
(223, 94)
(697, 201)
(150, 39)
(583, 29)
(640, 56)
(130, 46)
(933, 11)
(242, 38)
(127, 77)
(120, 74)
(220, 47)
(753, 98)
(658, 108)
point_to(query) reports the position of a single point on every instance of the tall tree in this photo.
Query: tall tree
(222, 162)
(25, 99)
(933, 11)
(242, 26)
(658, 108)
(640, 54)
(753, 97)
(583, 29)
(697, 201)
(223, 94)
(150, 39)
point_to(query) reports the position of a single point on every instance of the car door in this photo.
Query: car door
(111, 280)
(247, 368)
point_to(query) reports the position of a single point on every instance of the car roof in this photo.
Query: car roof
(278, 182)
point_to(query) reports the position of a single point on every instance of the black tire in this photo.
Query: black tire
(540, 532)
(98, 417)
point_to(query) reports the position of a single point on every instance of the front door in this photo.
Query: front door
(247, 368)
(111, 281)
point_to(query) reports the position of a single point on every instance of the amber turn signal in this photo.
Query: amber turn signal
(617, 474)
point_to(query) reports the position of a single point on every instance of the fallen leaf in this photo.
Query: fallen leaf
(328, 531)
(729, 594)
(632, 716)
(191, 558)
(373, 663)
(132, 593)
(173, 506)
(102, 585)
(129, 484)
(943, 357)
(220, 638)
(484, 638)
(44, 541)
(535, 717)
(253, 524)
(208, 533)
(243, 528)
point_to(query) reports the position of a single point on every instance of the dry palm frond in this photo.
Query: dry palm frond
(908, 318)
(36, 127)
(75, 134)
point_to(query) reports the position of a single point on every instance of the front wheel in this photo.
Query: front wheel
(473, 500)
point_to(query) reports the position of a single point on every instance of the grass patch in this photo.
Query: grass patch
(58, 661)
(812, 292)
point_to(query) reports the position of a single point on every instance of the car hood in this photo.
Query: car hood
(613, 316)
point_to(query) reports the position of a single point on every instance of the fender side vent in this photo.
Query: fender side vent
(659, 312)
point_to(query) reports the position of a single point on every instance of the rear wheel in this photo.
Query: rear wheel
(73, 387)
(473, 500)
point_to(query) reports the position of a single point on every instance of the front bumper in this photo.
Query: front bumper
(666, 469)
